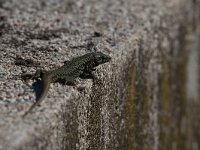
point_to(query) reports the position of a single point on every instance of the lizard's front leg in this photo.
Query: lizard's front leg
(67, 81)
(87, 75)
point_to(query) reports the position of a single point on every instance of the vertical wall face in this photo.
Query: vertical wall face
(173, 98)
(160, 111)
(162, 103)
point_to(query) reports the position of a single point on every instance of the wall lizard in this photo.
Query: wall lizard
(78, 67)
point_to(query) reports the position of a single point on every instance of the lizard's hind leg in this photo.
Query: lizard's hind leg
(38, 74)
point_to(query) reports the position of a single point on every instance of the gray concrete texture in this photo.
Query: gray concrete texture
(146, 98)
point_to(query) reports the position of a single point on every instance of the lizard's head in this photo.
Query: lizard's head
(101, 58)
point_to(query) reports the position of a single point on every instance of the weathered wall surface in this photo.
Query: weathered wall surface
(145, 98)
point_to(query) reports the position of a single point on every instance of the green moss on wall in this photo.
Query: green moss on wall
(130, 109)
(137, 109)
(173, 98)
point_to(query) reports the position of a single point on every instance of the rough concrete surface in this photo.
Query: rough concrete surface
(145, 98)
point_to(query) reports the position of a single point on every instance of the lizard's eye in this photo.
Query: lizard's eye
(102, 58)
(99, 59)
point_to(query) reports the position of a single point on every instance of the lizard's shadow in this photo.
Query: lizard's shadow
(38, 87)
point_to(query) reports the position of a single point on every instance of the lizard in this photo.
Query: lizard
(81, 66)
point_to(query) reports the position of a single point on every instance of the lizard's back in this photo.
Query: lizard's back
(72, 69)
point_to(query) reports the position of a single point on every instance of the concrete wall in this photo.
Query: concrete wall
(146, 98)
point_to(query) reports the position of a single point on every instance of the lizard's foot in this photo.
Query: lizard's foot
(71, 83)
(87, 75)
(36, 75)
(64, 82)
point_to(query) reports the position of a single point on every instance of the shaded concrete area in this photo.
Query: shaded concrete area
(140, 100)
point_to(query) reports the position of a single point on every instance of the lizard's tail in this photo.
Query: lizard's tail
(45, 88)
